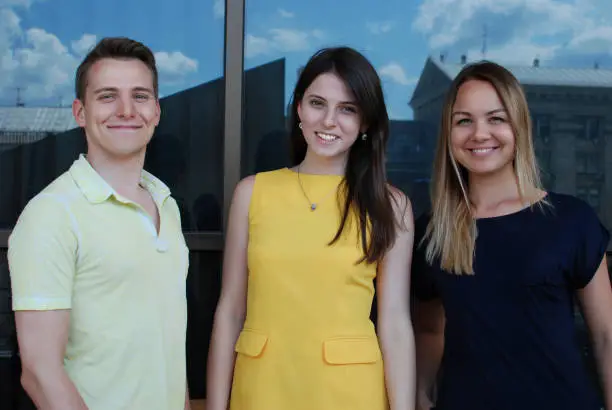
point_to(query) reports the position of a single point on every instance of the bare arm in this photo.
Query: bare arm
(231, 309)
(42, 337)
(187, 402)
(394, 323)
(429, 339)
(596, 302)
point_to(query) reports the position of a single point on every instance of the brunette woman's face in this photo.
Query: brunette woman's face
(329, 117)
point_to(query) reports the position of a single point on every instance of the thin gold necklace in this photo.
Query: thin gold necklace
(313, 205)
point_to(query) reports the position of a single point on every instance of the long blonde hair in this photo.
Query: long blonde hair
(451, 233)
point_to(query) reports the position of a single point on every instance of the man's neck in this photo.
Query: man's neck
(122, 174)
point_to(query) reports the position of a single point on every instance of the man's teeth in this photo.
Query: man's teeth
(327, 137)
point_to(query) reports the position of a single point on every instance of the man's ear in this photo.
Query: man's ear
(78, 111)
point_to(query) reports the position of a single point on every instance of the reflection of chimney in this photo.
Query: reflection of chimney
(442, 57)
(463, 59)
(536, 62)
(19, 102)
(596, 65)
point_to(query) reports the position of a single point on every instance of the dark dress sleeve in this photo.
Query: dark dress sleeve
(423, 280)
(591, 244)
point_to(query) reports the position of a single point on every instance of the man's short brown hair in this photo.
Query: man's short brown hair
(119, 48)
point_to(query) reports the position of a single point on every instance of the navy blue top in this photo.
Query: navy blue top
(510, 332)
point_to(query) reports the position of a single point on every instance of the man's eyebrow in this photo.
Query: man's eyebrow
(115, 89)
(105, 89)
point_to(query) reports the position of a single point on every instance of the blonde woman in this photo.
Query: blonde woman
(499, 262)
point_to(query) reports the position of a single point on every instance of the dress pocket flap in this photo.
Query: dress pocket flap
(251, 343)
(351, 350)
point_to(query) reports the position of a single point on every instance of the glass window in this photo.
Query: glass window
(279, 39)
(542, 127)
(417, 52)
(42, 43)
(590, 128)
(203, 286)
(418, 47)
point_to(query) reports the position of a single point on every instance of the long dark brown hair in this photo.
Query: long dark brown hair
(364, 190)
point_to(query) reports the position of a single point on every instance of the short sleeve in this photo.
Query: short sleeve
(42, 255)
(591, 246)
(422, 273)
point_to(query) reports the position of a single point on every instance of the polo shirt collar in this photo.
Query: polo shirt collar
(97, 190)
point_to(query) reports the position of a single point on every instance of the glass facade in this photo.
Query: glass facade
(227, 69)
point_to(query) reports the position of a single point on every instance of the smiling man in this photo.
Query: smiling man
(98, 261)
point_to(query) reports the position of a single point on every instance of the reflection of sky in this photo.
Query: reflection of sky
(42, 41)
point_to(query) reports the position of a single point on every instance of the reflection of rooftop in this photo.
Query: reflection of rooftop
(36, 119)
(539, 75)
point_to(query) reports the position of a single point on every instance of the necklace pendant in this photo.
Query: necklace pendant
(313, 207)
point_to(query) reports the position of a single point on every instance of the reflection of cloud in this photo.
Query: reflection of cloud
(219, 9)
(280, 40)
(255, 46)
(396, 73)
(38, 63)
(286, 14)
(596, 39)
(318, 34)
(42, 67)
(518, 30)
(289, 40)
(380, 27)
(449, 21)
(82, 46)
(175, 63)
(16, 3)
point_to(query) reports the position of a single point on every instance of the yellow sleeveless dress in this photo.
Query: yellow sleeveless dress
(307, 342)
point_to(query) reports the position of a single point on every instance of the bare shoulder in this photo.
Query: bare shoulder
(244, 190)
(402, 207)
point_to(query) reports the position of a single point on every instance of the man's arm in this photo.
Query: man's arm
(42, 260)
(42, 337)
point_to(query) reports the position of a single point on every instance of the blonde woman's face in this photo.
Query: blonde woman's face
(481, 136)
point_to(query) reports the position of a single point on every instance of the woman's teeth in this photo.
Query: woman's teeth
(327, 137)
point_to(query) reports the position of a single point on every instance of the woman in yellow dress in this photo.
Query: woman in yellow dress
(304, 245)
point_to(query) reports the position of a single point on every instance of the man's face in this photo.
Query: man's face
(120, 110)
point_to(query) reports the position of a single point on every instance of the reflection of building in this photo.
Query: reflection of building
(572, 124)
(25, 125)
(265, 141)
(409, 159)
(186, 151)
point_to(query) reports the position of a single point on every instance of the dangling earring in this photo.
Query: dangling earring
(300, 125)
(364, 136)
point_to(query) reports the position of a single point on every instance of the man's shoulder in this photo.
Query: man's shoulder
(57, 197)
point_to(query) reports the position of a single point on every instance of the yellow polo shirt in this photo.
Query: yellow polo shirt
(79, 245)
